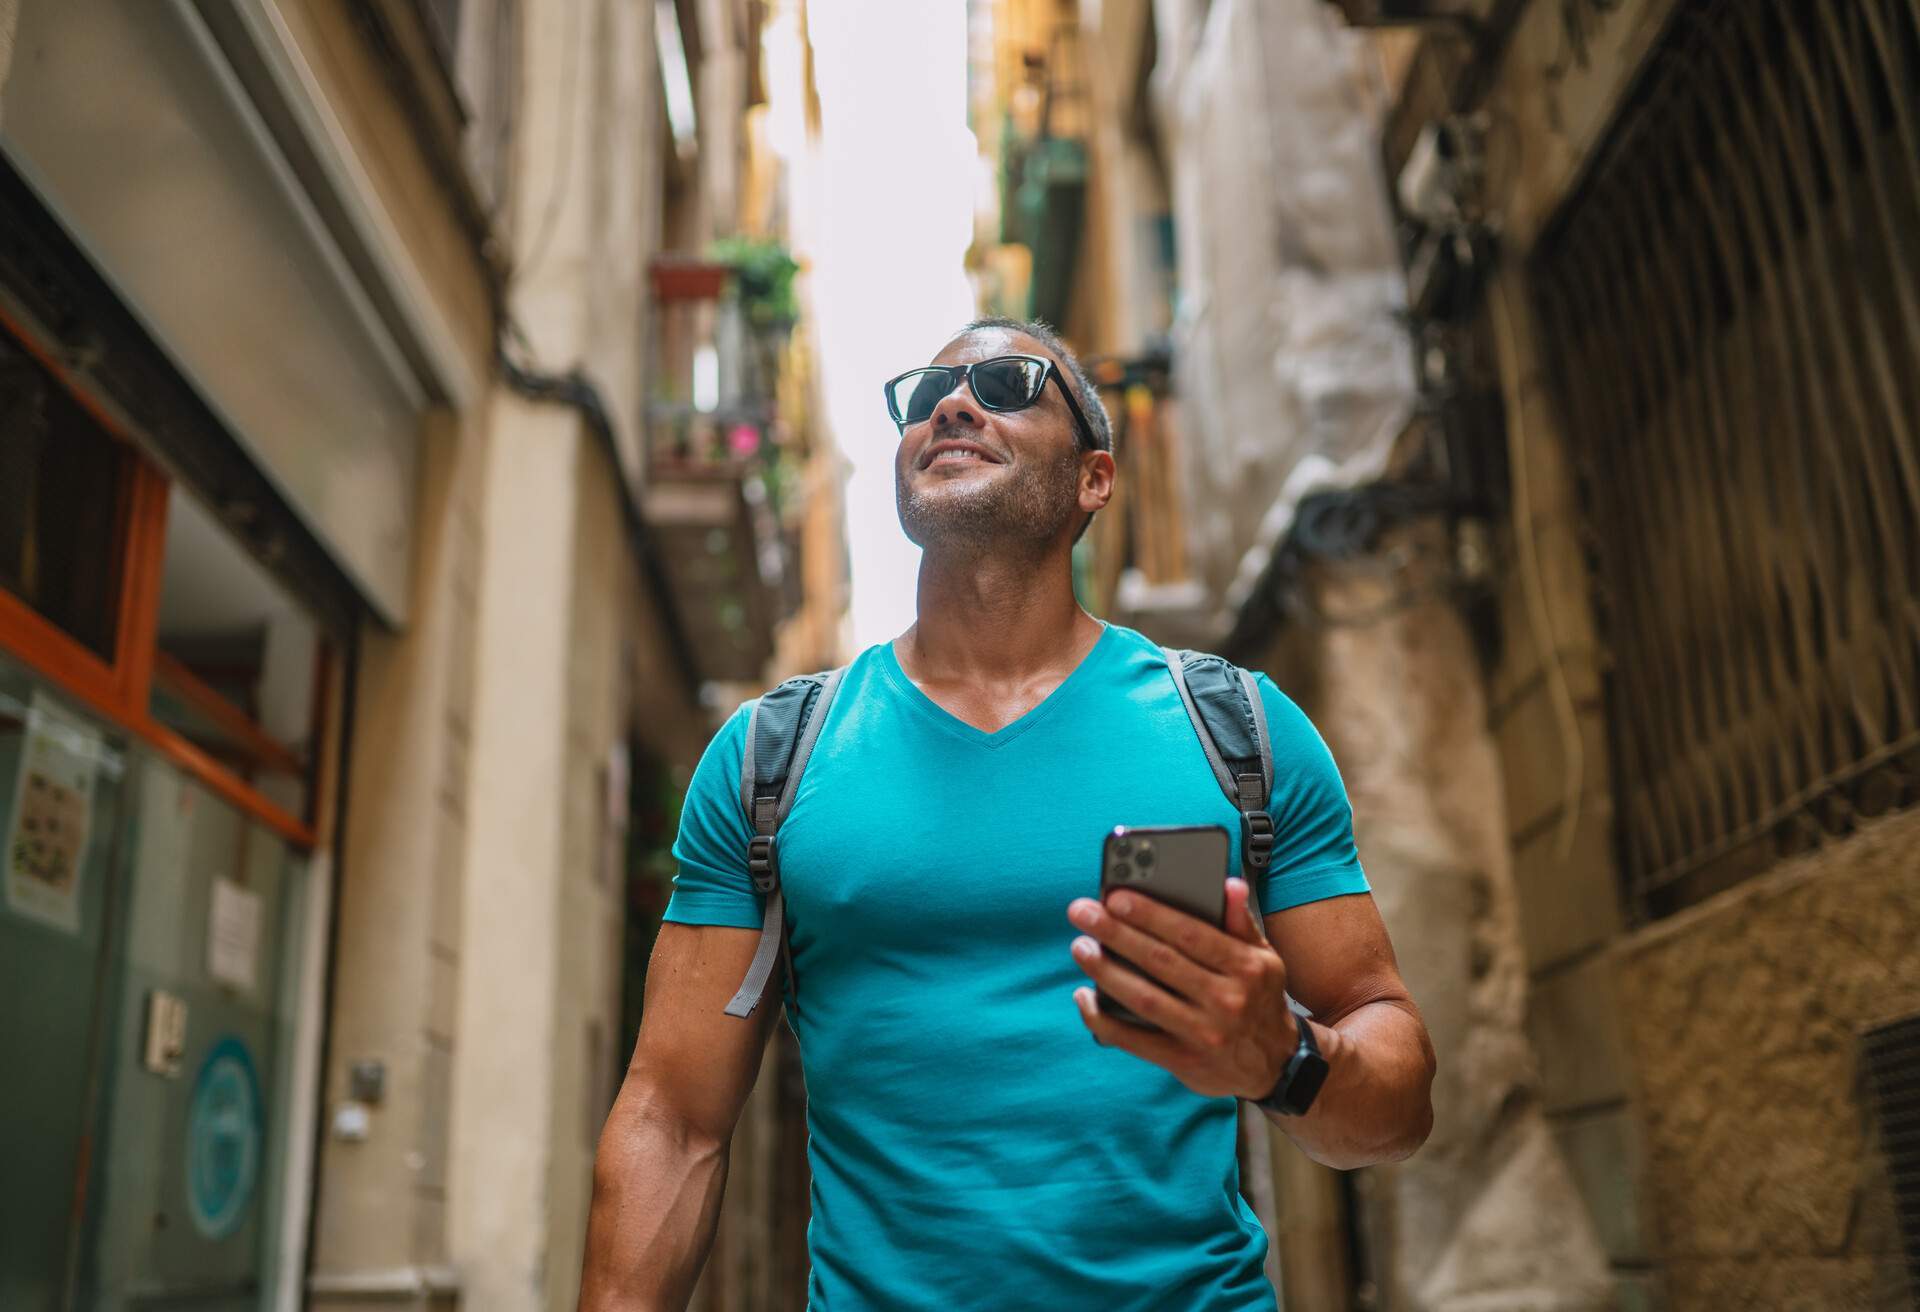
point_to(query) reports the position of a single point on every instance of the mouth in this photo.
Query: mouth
(954, 451)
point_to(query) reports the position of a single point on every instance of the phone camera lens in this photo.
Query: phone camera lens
(1121, 871)
(1145, 858)
(1122, 848)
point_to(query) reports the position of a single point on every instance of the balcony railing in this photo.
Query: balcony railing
(719, 483)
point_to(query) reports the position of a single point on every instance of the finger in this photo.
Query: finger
(1145, 1044)
(1243, 914)
(1156, 957)
(1194, 937)
(1141, 995)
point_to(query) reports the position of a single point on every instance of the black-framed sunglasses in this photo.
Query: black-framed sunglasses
(1002, 384)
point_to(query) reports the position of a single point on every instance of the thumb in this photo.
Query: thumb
(1243, 915)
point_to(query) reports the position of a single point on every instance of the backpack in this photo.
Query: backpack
(1222, 703)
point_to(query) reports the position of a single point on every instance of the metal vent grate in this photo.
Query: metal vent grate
(1730, 308)
(1892, 1055)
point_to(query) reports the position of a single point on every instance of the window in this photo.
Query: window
(238, 664)
(61, 489)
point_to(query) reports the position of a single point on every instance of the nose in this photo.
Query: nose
(956, 407)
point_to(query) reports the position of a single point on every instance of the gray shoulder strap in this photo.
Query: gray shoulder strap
(1244, 770)
(1177, 665)
(767, 794)
(1262, 740)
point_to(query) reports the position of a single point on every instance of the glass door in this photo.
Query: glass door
(62, 823)
(192, 1149)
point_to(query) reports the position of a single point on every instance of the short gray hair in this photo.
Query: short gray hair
(1077, 377)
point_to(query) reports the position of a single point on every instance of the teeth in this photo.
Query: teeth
(955, 453)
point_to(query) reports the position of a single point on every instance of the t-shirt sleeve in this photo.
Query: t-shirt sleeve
(712, 886)
(1314, 856)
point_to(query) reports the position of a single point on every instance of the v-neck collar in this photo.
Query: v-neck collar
(941, 718)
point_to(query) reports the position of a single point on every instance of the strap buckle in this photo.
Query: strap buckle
(763, 863)
(1256, 838)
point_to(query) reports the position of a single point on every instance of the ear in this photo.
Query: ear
(1097, 472)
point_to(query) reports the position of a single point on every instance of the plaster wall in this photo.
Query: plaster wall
(381, 1209)
(505, 1087)
(1486, 1214)
(381, 1224)
(1552, 102)
(587, 199)
(605, 699)
(358, 94)
(570, 658)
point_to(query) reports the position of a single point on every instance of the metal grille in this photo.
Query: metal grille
(1892, 1054)
(1732, 308)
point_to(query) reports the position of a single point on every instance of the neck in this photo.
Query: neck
(995, 619)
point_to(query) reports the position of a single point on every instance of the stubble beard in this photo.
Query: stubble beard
(1024, 513)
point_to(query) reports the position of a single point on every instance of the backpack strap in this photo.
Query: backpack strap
(1223, 702)
(781, 732)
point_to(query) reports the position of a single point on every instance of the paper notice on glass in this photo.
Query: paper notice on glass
(47, 825)
(233, 934)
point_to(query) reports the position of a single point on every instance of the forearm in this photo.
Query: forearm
(657, 1184)
(1377, 1104)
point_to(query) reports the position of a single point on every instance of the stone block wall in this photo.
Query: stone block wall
(1742, 1018)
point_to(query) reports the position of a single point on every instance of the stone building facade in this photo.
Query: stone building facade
(1701, 997)
(362, 300)
(1452, 518)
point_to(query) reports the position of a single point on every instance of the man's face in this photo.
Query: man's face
(971, 479)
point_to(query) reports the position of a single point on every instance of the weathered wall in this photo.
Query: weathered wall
(1544, 697)
(505, 1087)
(9, 19)
(359, 94)
(1742, 1017)
(1699, 1075)
(381, 1225)
(1292, 365)
(1486, 1214)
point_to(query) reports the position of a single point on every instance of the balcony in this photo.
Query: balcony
(720, 492)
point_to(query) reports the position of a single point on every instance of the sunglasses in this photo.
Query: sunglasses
(1002, 384)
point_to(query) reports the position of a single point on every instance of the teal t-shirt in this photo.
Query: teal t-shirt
(971, 1146)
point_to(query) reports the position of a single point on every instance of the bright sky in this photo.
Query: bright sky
(890, 218)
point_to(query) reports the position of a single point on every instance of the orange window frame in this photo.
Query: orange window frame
(120, 690)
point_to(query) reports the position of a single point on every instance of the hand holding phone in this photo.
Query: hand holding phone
(1184, 866)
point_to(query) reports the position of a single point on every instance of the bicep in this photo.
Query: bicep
(1338, 955)
(698, 1061)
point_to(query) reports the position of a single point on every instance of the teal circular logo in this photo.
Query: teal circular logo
(223, 1139)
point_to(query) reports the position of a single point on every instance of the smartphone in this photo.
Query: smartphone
(1184, 866)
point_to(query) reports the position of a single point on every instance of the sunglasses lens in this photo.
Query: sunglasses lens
(1008, 384)
(913, 396)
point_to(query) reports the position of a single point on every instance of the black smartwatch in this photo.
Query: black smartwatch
(1300, 1079)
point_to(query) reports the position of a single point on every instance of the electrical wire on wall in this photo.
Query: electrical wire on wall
(1540, 618)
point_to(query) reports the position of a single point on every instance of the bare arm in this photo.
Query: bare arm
(1377, 1102)
(1219, 997)
(662, 1160)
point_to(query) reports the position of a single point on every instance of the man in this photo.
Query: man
(970, 1148)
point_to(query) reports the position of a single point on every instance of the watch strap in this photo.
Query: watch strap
(1301, 1078)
